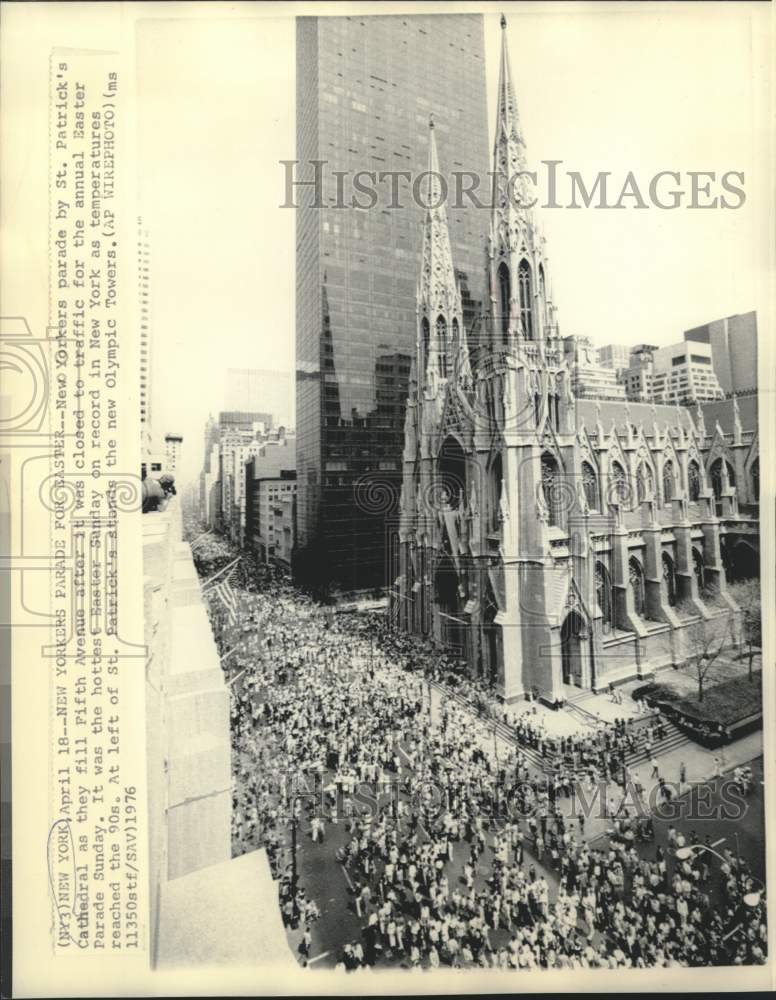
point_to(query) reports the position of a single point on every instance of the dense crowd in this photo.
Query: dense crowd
(461, 855)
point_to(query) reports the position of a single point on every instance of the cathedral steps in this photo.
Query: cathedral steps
(673, 740)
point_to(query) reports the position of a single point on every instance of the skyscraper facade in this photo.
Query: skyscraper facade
(733, 343)
(366, 87)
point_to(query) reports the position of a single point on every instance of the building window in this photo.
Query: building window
(636, 574)
(441, 335)
(590, 485)
(603, 592)
(644, 482)
(552, 489)
(496, 486)
(425, 334)
(669, 579)
(700, 573)
(694, 480)
(755, 474)
(668, 483)
(717, 477)
(526, 298)
(504, 296)
(619, 492)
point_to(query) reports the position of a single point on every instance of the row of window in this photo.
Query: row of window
(604, 591)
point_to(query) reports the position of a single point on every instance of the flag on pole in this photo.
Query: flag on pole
(228, 599)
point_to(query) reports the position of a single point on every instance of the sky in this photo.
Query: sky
(598, 90)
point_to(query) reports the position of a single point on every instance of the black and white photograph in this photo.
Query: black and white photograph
(384, 389)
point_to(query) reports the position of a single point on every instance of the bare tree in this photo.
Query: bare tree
(746, 594)
(706, 645)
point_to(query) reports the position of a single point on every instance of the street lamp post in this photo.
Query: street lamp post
(751, 899)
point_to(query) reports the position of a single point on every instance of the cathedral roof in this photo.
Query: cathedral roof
(722, 411)
(590, 411)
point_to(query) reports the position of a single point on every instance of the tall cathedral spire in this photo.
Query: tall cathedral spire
(440, 316)
(516, 248)
(508, 130)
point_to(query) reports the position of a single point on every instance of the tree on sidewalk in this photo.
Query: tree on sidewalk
(746, 594)
(707, 639)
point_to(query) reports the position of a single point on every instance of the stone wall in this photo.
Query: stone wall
(189, 750)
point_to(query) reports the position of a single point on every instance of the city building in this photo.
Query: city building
(614, 356)
(365, 87)
(244, 421)
(589, 379)
(680, 373)
(270, 491)
(172, 452)
(210, 490)
(554, 544)
(262, 390)
(733, 343)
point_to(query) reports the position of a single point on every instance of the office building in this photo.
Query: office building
(172, 452)
(589, 378)
(680, 373)
(270, 491)
(733, 343)
(366, 86)
(614, 356)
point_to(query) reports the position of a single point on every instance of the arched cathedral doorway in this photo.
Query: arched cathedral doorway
(572, 636)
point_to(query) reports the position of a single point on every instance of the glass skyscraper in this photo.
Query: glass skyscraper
(366, 87)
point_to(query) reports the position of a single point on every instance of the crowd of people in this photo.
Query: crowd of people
(457, 853)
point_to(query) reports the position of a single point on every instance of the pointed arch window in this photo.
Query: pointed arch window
(669, 579)
(537, 407)
(668, 483)
(504, 297)
(526, 298)
(552, 488)
(644, 482)
(619, 492)
(425, 333)
(693, 480)
(699, 570)
(496, 486)
(718, 476)
(441, 344)
(636, 575)
(590, 486)
(603, 592)
(754, 472)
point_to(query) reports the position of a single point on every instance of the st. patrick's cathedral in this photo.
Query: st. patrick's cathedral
(557, 543)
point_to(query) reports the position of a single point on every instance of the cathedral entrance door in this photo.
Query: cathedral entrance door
(571, 649)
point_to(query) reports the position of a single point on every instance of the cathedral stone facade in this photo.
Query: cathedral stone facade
(557, 543)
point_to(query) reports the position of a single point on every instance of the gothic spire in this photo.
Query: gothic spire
(439, 300)
(508, 118)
